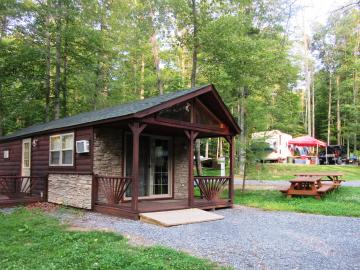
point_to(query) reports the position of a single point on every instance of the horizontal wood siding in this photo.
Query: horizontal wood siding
(40, 159)
(82, 162)
(40, 156)
(12, 165)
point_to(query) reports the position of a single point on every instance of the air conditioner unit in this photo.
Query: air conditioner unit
(82, 146)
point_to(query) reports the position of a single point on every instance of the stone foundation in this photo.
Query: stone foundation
(70, 189)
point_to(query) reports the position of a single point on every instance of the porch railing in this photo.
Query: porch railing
(110, 189)
(211, 187)
(23, 186)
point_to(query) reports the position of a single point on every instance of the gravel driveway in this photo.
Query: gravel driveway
(249, 238)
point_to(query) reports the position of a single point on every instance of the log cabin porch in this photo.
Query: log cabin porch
(150, 168)
(152, 177)
(211, 186)
(133, 158)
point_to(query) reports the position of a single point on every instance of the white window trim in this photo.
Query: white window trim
(61, 150)
(26, 141)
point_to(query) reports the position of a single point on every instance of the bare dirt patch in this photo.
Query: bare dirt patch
(44, 206)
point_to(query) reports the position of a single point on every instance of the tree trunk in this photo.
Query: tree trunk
(242, 137)
(195, 44)
(142, 78)
(221, 152)
(313, 106)
(356, 89)
(58, 60)
(329, 110)
(155, 52)
(338, 119)
(207, 149)
(65, 72)
(355, 96)
(48, 69)
(193, 75)
(3, 21)
(308, 86)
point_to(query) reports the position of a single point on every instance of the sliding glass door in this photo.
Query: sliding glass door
(154, 165)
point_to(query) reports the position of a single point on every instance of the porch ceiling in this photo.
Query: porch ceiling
(163, 130)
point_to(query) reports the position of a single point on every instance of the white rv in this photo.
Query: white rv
(278, 142)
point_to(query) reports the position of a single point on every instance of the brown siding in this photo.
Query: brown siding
(40, 156)
(82, 162)
(12, 165)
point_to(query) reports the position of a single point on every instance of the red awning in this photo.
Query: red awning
(307, 141)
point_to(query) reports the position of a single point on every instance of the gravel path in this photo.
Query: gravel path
(286, 182)
(249, 238)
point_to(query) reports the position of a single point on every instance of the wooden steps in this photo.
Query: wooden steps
(179, 217)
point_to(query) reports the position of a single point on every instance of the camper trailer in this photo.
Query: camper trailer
(277, 142)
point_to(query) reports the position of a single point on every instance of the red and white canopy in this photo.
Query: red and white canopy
(307, 141)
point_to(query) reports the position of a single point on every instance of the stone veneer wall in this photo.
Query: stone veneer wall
(70, 189)
(108, 154)
(181, 167)
(108, 151)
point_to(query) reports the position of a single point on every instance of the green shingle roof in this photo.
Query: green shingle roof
(98, 115)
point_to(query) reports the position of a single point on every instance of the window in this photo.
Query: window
(180, 112)
(6, 154)
(26, 154)
(62, 150)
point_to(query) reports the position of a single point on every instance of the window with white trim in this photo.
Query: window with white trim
(62, 150)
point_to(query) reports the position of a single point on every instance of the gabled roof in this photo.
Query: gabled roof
(135, 109)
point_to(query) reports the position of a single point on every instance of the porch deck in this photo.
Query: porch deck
(145, 206)
(9, 202)
(17, 190)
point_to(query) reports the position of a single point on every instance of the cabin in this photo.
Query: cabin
(125, 160)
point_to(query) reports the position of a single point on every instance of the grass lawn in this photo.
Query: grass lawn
(343, 202)
(286, 171)
(33, 240)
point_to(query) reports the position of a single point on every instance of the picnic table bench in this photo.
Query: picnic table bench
(311, 184)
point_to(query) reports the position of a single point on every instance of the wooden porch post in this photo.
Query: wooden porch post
(136, 129)
(232, 157)
(192, 137)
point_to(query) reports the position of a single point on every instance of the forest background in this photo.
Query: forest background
(62, 57)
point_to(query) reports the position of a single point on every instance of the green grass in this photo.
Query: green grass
(287, 171)
(33, 240)
(213, 172)
(343, 202)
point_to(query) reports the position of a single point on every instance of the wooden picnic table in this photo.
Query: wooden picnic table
(310, 184)
(329, 176)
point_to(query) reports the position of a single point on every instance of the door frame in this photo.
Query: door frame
(23, 168)
(170, 193)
